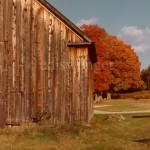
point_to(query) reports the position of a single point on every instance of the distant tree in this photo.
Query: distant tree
(145, 75)
(118, 66)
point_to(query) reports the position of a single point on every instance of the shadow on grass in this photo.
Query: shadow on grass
(143, 141)
(145, 116)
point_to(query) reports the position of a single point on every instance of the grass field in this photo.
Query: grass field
(123, 105)
(131, 134)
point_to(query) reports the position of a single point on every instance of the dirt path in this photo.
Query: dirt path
(123, 112)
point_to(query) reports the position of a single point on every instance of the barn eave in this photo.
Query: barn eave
(91, 49)
(87, 41)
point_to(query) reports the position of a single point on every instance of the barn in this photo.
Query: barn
(45, 65)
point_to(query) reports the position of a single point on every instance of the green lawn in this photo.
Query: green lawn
(123, 105)
(121, 108)
(131, 134)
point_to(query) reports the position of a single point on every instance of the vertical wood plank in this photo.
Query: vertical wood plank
(78, 86)
(1, 20)
(9, 59)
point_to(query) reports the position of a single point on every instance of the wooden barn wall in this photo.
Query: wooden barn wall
(36, 66)
(81, 92)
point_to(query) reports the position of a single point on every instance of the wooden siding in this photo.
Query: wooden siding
(37, 68)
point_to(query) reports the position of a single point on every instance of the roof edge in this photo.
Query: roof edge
(70, 44)
(91, 49)
(88, 42)
(65, 20)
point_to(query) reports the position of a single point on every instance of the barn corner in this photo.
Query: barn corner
(45, 65)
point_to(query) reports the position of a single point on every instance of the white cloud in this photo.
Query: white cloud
(92, 20)
(148, 30)
(138, 38)
(140, 48)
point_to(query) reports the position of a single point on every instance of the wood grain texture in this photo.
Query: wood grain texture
(38, 71)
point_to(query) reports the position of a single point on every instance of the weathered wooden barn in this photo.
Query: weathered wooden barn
(45, 65)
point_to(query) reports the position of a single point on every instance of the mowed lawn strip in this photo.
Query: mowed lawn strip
(123, 105)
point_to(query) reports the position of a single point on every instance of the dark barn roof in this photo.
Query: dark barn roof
(88, 42)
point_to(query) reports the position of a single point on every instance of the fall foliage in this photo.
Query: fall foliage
(118, 67)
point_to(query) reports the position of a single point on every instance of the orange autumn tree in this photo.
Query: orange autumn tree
(126, 66)
(102, 74)
(118, 67)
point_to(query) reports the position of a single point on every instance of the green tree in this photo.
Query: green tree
(145, 75)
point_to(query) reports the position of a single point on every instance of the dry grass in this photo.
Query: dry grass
(100, 135)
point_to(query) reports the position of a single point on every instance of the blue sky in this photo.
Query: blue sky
(127, 19)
